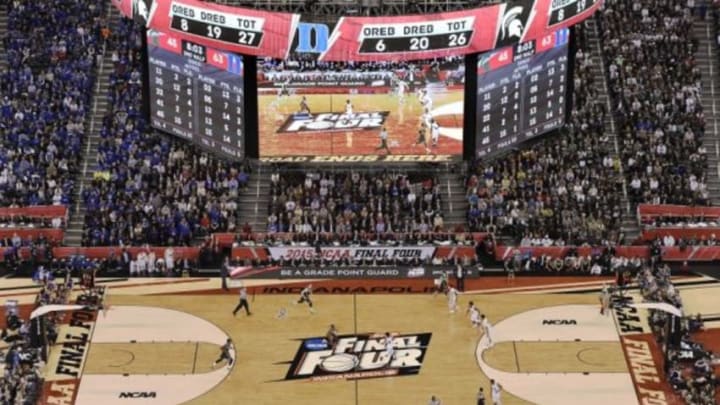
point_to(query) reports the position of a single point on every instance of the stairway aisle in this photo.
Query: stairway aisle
(253, 201)
(707, 60)
(454, 202)
(630, 226)
(100, 106)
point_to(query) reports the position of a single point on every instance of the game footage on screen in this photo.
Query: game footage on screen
(310, 108)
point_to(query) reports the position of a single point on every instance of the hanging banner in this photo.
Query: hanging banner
(235, 29)
(352, 252)
(409, 37)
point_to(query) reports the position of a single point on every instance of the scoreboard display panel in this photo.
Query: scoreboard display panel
(344, 110)
(197, 93)
(521, 92)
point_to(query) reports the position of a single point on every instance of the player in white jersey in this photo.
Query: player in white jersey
(487, 329)
(426, 101)
(474, 314)
(389, 348)
(605, 300)
(434, 131)
(496, 390)
(452, 294)
(348, 110)
(305, 297)
(401, 88)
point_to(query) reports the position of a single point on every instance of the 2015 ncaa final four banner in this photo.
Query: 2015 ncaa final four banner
(274, 34)
(351, 252)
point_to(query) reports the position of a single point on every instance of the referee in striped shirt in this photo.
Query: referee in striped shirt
(243, 302)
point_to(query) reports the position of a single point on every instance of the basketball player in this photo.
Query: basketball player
(452, 299)
(348, 110)
(383, 140)
(487, 329)
(225, 354)
(401, 88)
(282, 91)
(305, 297)
(441, 284)
(421, 135)
(304, 107)
(474, 314)
(496, 389)
(331, 336)
(605, 300)
(389, 348)
(434, 132)
(243, 302)
(426, 118)
(481, 396)
(426, 101)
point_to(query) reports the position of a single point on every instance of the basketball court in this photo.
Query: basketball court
(157, 341)
(402, 123)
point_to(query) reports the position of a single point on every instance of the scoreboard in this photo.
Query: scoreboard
(253, 31)
(197, 93)
(521, 92)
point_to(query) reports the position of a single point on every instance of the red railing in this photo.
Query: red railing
(179, 252)
(39, 211)
(53, 235)
(672, 254)
(647, 212)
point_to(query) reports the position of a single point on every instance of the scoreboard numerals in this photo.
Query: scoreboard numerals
(216, 32)
(246, 38)
(570, 9)
(422, 43)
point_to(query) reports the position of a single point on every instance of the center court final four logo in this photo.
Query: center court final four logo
(329, 122)
(358, 356)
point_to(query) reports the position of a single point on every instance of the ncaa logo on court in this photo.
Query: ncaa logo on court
(358, 356)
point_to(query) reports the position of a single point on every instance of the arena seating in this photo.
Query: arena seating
(151, 188)
(354, 202)
(689, 365)
(23, 375)
(655, 86)
(565, 189)
(51, 53)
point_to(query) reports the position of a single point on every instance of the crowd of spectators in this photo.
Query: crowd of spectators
(21, 221)
(654, 83)
(566, 188)
(152, 189)
(601, 261)
(52, 49)
(349, 202)
(355, 238)
(688, 365)
(22, 380)
(304, 69)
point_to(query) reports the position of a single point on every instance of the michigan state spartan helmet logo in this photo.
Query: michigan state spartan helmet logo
(511, 26)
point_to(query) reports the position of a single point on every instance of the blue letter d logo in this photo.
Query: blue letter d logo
(305, 38)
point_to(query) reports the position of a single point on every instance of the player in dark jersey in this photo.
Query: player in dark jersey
(421, 135)
(331, 336)
(225, 354)
(481, 397)
(304, 107)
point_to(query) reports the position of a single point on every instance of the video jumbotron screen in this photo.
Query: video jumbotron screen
(310, 108)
